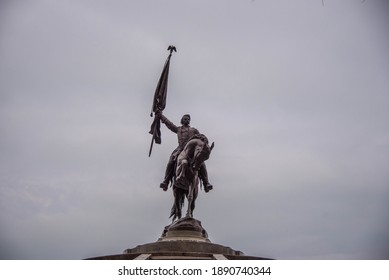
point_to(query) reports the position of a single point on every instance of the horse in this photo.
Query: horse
(186, 181)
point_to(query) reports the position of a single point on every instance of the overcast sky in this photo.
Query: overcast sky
(294, 94)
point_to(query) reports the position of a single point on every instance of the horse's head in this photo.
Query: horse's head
(202, 151)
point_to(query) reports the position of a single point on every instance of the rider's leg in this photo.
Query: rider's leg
(168, 175)
(203, 174)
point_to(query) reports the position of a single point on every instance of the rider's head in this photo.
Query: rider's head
(185, 120)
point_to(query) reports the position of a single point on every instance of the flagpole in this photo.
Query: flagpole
(152, 143)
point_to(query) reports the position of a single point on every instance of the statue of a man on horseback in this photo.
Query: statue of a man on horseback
(186, 167)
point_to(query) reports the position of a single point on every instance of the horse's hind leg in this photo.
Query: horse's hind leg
(195, 193)
(179, 201)
(191, 208)
(189, 212)
(182, 201)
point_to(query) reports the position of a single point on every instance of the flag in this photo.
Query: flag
(159, 101)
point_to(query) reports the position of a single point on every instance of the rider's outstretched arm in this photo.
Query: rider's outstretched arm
(168, 123)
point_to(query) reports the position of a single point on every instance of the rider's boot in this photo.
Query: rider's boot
(203, 174)
(164, 185)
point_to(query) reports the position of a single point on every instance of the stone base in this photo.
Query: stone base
(187, 229)
(183, 239)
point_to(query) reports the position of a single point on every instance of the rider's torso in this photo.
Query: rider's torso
(184, 133)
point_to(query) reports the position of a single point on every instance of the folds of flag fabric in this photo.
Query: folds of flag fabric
(159, 103)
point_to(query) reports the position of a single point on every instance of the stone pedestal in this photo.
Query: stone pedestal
(185, 229)
(183, 239)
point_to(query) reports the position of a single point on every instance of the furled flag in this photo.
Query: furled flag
(159, 101)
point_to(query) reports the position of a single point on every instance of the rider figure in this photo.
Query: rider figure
(184, 133)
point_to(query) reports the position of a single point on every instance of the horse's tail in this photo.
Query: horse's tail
(178, 203)
(173, 211)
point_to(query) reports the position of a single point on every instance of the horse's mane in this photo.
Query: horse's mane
(199, 136)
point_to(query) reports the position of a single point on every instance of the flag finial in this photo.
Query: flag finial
(172, 48)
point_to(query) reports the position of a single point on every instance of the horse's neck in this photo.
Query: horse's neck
(191, 147)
